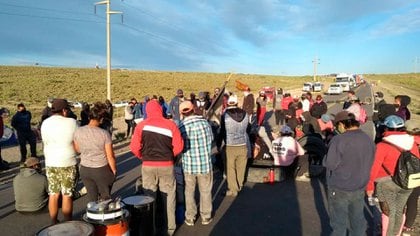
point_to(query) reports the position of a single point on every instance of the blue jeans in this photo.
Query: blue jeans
(346, 212)
(396, 198)
(205, 184)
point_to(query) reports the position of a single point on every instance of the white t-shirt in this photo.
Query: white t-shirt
(57, 135)
(306, 105)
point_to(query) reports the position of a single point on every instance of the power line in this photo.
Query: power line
(45, 9)
(175, 27)
(50, 17)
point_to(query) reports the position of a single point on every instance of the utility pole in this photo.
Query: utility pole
(108, 44)
(316, 62)
(416, 61)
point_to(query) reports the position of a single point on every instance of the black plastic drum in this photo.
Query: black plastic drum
(142, 210)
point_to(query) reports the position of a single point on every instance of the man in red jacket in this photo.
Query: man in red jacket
(392, 198)
(157, 141)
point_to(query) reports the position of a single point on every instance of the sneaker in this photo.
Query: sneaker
(231, 193)
(206, 221)
(189, 222)
(266, 156)
(83, 191)
(303, 178)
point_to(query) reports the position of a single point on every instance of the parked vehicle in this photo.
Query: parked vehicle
(121, 104)
(269, 92)
(308, 87)
(75, 104)
(318, 87)
(346, 81)
(335, 88)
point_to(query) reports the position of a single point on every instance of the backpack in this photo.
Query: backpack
(362, 116)
(407, 170)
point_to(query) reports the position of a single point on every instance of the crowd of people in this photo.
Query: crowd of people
(162, 135)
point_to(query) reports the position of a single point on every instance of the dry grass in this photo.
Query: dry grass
(33, 85)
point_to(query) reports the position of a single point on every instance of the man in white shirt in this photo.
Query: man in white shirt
(60, 159)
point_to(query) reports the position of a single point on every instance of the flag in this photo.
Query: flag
(241, 86)
(215, 110)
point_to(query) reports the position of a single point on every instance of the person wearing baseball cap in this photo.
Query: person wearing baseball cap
(234, 133)
(348, 164)
(30, 187)
(196, 163)
(60, 159)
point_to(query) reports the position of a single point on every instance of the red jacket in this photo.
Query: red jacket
(156, 140)
(285, 102)
(387, 155)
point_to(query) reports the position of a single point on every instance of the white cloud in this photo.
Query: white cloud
(405, 22)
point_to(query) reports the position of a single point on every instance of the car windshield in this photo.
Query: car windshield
(335, 85)
(342, 79)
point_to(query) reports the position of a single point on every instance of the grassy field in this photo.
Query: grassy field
(33, 85)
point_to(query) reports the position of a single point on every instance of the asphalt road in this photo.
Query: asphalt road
(286, 208)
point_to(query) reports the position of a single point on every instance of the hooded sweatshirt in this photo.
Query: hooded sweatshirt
(30, 189)
(387, 155)
(234, 126)
(156, 140)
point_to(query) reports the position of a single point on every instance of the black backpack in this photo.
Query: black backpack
(407, 170)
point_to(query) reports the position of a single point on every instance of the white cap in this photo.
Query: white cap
(233, 100)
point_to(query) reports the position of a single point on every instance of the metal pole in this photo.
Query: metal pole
(108, 44)
(108, 52)
(315, 61)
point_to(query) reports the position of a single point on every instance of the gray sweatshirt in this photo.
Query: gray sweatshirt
(349, 160)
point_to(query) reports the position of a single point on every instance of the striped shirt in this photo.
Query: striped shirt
(198, 137)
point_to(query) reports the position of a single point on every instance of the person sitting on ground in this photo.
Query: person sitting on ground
(30, 187)
(97, 160)
(310, 124)
(285, 150)
(326, 126)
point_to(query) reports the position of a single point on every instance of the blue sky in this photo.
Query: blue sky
(241, 36)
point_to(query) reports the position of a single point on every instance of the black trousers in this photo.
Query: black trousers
(24, 138)
(98, 182)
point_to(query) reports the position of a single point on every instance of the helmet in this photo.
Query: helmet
(285, 130)
(394, 122)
